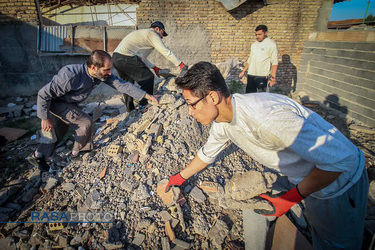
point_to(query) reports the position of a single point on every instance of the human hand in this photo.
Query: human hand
(175, 180)
(183, 66)
(156, 69)
(283, 203)
(46, 125)
(241, 74)
(152, 99)
(272, 80)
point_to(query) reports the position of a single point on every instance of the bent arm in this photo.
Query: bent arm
(195, 166)
(125, 87)
(316, 180)
(158, 44)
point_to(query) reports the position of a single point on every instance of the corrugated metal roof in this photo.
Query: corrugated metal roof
(52, 37)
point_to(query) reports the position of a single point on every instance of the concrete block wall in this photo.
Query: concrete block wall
(340, 73)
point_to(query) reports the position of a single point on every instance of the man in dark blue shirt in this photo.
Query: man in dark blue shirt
(58, 103)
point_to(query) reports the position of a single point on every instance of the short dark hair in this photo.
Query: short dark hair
(97, 58)
(261, 27)
(202, 78)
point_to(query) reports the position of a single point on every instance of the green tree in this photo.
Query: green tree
(370, 18)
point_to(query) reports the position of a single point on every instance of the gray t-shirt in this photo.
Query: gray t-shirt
(73, 84)
(288, 138)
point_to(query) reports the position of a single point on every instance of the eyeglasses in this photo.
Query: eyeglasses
(192, 105)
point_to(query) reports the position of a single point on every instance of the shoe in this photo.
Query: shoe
(75, 158)
(38, 162)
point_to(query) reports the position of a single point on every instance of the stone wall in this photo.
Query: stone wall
(337, 69)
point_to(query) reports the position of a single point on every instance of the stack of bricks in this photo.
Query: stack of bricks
(230, 33)
(18, 11)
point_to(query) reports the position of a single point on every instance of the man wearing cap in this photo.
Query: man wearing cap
(130, 58)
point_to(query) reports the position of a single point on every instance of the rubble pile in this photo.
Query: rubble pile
(134, 154)
(126, 175)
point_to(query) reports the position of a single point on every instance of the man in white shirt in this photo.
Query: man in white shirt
(262, 62)
(319, 164)
(130, 58)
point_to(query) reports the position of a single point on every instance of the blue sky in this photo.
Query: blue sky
(351, 10)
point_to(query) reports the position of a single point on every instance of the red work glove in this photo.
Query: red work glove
(283, 203)
(182, 66)
(175, 180)
(156, 69)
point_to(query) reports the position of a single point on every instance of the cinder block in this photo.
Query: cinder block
(114, 150)
(365, 101)
(313, 44)
(364, 74)
(55, 226)
(321, 51)
(364, 46)
(340, 45)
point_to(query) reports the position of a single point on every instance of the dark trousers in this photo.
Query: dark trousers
(132, 68)
(256, 84)
(63, 116)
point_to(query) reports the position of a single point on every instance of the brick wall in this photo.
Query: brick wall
(199, 30)
(230, 34)
(21, 10)
(337, 69)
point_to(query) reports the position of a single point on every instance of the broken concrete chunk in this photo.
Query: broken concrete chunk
(51, 183)
(165, 243)
(218, 233)
(240, 187)
(165, 216)
(147, 146)
(200, 225)
(155, 130)
(68, 187)
(167, 99)
(179, 244)
(141, 193)
(197, 195)
(138, 240)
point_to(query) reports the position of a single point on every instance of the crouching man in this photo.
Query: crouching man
(57, 104)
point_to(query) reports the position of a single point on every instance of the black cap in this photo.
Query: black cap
(160, 25)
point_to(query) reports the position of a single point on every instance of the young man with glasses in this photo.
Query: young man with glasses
(316, 162)
(130, 58)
